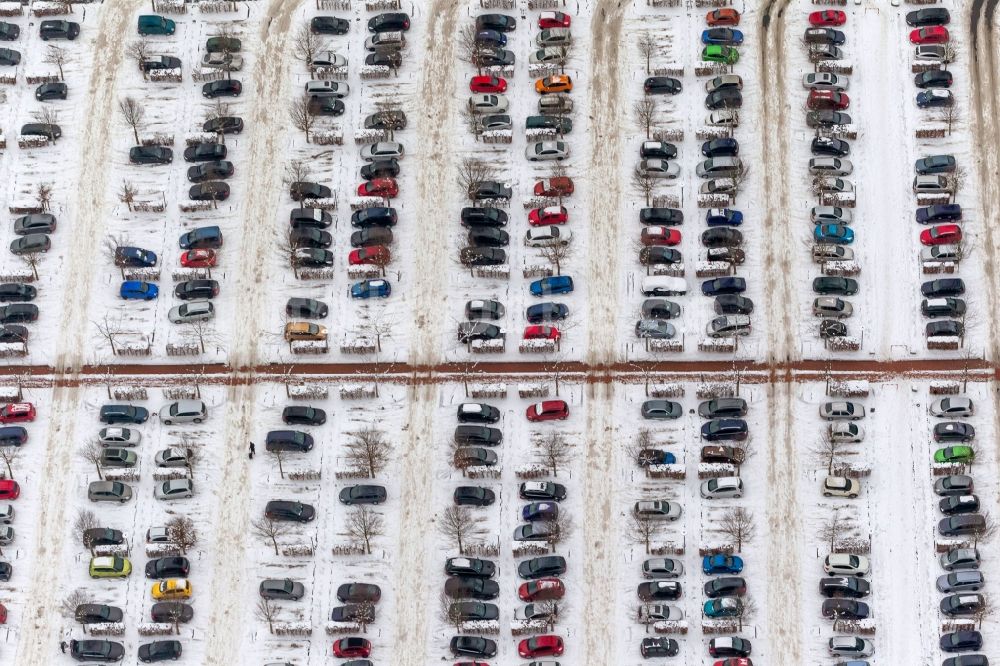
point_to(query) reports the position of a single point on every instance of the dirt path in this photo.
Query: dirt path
(780, 296)
(267, 131)
(416, 527)
(606, 114)
(435, 181)
(93, 197)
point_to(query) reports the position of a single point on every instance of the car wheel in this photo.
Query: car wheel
(197, 420)
(826, 494)
(853, 496)
(739, 496)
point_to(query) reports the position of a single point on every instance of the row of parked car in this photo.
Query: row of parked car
(12, 434)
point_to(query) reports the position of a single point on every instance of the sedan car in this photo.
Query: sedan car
(546, 151)
(174, 489)
(841, 410)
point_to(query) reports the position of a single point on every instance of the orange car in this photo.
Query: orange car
(554, 84)
(723, 17)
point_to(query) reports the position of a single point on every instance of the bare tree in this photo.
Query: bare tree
(556, 254)
(32, 260)
(956, 181)
(364, 614)
(644, 111)
(740, 178)
(269, 530)
(109, 329)
(471, 121)
(985, 532)
(364, 525)
(286, 249)
(640, 450)
(297, 171)
(642, 529)
(647, 47)
(368, 450)
(202, 330)
(91, 452)
(43, 195)
(831, 529)
(389, 113)
(303, 116)
(138, 50)
(127, 194)
(217, 111)
(459, 459)
(950, 116)
(738, 525)
(558, 529)
(473, 172)
(278, 456)
(554, 450)
(825, 451)
(58, 56)
(267, 611)
(985, 611)
(461, 525)
(746, 609)
(75, 598)
(47, 115)
(112, 244)
(175, 615)
(470, 48)
(644, 183)
(181, 531)
(10, 455)
(133, 113)
(306, 44)
(450, 612)
(85, 520)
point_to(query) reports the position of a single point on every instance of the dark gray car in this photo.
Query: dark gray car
(283, 588)
(31, 244)
(36, 223)
(662, 409)
(969, 580)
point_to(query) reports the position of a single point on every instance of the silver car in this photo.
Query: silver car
(192, 311)
(184, 411)
(728, 326)
(226, 61)
(832, 307)
(826, 81)
(960, 581)
(382, 150)
(830, 215)
(936, 253)
(654, 329)
(719, 167)
(830, 166)
(657, 510)
(172, 457)
(544, 151)
(835, 185)
(951, 407)
(546, 236)
(109, 491)
(554, 54)
(960, 559)
(174, 489)
(554, 37)
(662, 567)
(119, 436)
(488, 103)
(335, 89)
(655, 167)
(841, 410)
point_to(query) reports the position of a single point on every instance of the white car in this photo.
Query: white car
(191, 311)
(184, 411)
(718, 186)
(826, 81)
(662, 567)
(547, 236)
(951, 407)
(722, 487)
(835, 185)
(841, 486)
(119, 436)
(174, 489)
(172, 457)
(548, 54)
(554, 37)
(544, 151)
(488, 103)
(850, 646)
(724, 118)
(382, 150)
(158, 535)
(655, 167)
(335, 89)
(847, 432)
(830, 166)
(328, 59)
(843, 564)
(724, 81)
(841, 410)
(830, 215)
(227, 61)
(6, 535)
(6, 514)
(931, 52)
(937, 253)
(728, 326)
(657, 510)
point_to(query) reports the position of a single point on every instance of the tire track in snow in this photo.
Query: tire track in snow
(606, 113)
(436, 124)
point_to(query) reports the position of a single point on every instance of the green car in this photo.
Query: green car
(110, 567)
(724, 54)
(953, 454)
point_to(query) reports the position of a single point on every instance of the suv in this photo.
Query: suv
(57, 29)
(288, 440)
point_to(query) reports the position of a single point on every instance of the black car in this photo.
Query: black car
(371, 236)
(659, 646)
(223, 125)
(840, 286)
(115, 414)
(827, 118)
(103, 536)
(380, 168)
(542, 567)
(168, 567)
(288, 440)
(325, 105)
(482, 256)
(160, 651)
(223, 88)
(498, 22)
(386, 120)
(472, 611)
(663, 151)
(928, 16)
(358, 592)
(97, 614)
(661, 85)
(727, 98)
(17, 291)
(954, 431)
(493, 57)
(844, 586)
(309, 218)
(362, 494)
(723, 285)
(546, 312)
(473, 646)
(961, 525)
(718, 430)
(473, 496)
(210, 171)
(825, 36)
(476, 435)
(658, 255)
(484, 309)
(960, 641)
(9, 57)
(461, 587)
(935, 78)
(18, 313)
(962, 604)
(560, 124)
(721, 237)
(845, 609)
(48, 91)
(490, 189)
(374, 217)
(724, 147)
(488, 237)
(477, 412)
(828, 146)
(942, 307)
(289, 510)
(150, 155)
(350, 613)
(202, 238)
(213, 190)
(6, 571)
(664, 217)
(306, 307)
(134, 257)
(541, 490)
(729, 646)
(723, 408)
(329, 25)
(967, 660)
(659, 590)
(310, 237)
(13, 333)
(389, 22)
(171, 611)
(726, 586)
(484, 217)
(57, 29)
(958, 504)
(938, 213)
(948, 328)
(159, 62)
(943, 287)
(311, 257)
(469, 566)
(660, 308)
(303, 415)
(205, 152)
(732, 304)
(9, 31)
(96, 650)
(478, 330)
(13, 435)
(196, 289)
(391, 58)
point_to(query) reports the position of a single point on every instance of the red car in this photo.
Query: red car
(352, 647)
(560, 186)
(660, 236)
(935, 34)
(827, 18)
(543, 589)
(17, 412)
(942, 234)
(826, 100)
(549, 410)
(723, 17)
(379, 187)
(553, 20)
(199, 259)
(9, 489)
(734, 661)
(541, 333)
(541, 217)
(376, 255)
(487, 84)
(3, 614)
(546, 645)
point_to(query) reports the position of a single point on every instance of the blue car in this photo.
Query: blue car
(540, 511)
(716, 217)
(722, 564)
(723, 607)
(544, 312)
(723, 285)
(201, 238)
(371, 289)
(138, 290)
(833, 233)
(491, 38)
(557, 284)
(722, 36)
(135, 257)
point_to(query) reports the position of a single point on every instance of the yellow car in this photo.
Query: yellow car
(554, 84)
(172, 588)
(301, 330)
(110, 567)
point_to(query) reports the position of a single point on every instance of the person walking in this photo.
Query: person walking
(62, 646)
(253, 450)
